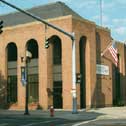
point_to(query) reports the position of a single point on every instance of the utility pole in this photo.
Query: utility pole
(49, 1)
(71, 35)
(101, 12)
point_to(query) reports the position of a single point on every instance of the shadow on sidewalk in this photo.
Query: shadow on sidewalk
(40, 115)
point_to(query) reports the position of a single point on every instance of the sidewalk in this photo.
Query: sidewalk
(111, 112)
(60, 114)
(100, 113)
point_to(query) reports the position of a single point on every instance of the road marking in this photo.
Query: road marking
(4, 124)
(64, 124)
(32, 124)
(84, 122)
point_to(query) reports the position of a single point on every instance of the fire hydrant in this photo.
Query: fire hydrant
(51, 111)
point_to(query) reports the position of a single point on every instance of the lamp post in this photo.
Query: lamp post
(28, 57)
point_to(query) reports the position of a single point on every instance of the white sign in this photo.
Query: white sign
(102, 69)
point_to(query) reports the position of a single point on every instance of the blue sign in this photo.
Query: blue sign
(23, 76)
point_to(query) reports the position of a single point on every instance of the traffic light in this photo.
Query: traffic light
(78, 78)
(1, 26)
(47, 44)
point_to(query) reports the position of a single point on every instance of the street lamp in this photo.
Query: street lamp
(28, 57)
(24, 78)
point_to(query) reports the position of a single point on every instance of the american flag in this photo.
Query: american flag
(113, 50)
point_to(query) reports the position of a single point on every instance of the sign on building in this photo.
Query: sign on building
(102, 69)
(23, 76)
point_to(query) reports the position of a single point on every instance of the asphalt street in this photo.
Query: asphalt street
(42, 118)
(103, 122)
(30, 121)
(112, 116)
(36, 121)
(36, 118)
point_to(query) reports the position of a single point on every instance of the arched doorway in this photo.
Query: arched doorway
(11, 73)
(117, 84)
(33, 87)
(57, 71)
(82, 48)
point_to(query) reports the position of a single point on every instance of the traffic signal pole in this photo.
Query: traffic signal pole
(74, 93)
(72, 36)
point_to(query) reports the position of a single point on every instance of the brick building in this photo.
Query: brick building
(50, 70)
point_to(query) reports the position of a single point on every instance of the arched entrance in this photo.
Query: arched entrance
(117, 84)
(57, 71)
(82, 47)
(33, 88)
(11, 73)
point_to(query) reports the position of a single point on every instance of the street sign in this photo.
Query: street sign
(102, 69)
(23, 75)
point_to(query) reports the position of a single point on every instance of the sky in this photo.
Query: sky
(113, 12)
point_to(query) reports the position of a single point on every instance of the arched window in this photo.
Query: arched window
(57, 71)
(11, 73)
(32, 47)
(57, 50)
(82, 48)
(11, 52)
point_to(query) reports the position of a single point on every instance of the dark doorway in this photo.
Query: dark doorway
(117, 98)
(12, 73)
(57, 95)
(82, 47)
(117, 86)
